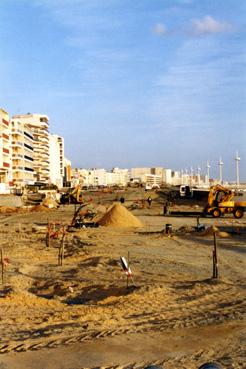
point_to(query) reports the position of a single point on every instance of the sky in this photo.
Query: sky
(131, 83)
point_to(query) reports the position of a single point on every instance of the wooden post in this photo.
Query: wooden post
(215, 260)
(127, 276)
(48, 235)
(197, 221)
(61, 248)
(2, 264)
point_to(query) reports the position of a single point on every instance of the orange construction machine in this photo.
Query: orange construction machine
(220, 202)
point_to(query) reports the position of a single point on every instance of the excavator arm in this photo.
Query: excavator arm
(218, 194)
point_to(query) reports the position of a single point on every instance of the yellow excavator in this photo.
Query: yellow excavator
(73, 196)
(220, 202)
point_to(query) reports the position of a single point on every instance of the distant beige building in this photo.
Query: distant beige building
(56, 151)
(67, 173)
(152, 180)
(22, 154)
(39, 125)
(5, 148)
(167, 176)
(139, 173)
(60, 141)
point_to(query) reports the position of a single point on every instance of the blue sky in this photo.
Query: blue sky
(131, 82)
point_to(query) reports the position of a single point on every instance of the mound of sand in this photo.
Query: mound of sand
(209, 231)
(119, 216)
(39, 208)
(50, 203)
(223, 234)
(9, 209)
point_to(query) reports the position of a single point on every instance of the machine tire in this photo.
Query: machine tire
(216, 213)
(238, 213)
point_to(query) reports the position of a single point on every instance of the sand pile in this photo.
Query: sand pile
(209, 231)
(50, 203)
(39, 208)
(119, 216)
(223, 234)
(9, 209)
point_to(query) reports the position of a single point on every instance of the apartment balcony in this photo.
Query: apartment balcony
(27, 169)
(16, 131)
(45, 165)
(44, 144)
(28, 147)
(16, 156)
(17, 162)
(5, 151)
(17, 137)
(5, 122)
(17, 144)
(28, 158)
(45, 137)
(5, 137)
(28, 135)
(17, 168)
(41, 148)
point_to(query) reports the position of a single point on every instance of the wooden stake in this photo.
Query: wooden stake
(2, 264)
(127, 276)
(61, 249)
(215, 260)
(48, 235)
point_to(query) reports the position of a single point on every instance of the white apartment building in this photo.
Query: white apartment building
(56, 160)
(117, 176)
(39, 125)
(167, 176)
(5, 149)
(152, 180)
(93, 177)
(100, 177)
(22, 154)
(61, 148)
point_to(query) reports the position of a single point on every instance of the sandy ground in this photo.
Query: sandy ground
(81, 315)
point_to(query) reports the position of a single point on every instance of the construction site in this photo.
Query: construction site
(122, 279)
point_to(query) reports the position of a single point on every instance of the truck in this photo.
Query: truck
(222, 200)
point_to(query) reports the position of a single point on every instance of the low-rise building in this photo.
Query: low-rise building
(152, 181)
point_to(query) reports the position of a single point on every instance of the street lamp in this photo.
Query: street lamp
(220, 166)
(198, 174)
(208, 171)
(237, 159)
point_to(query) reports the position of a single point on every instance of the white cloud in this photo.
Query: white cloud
(160, 29)
(209, 25)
